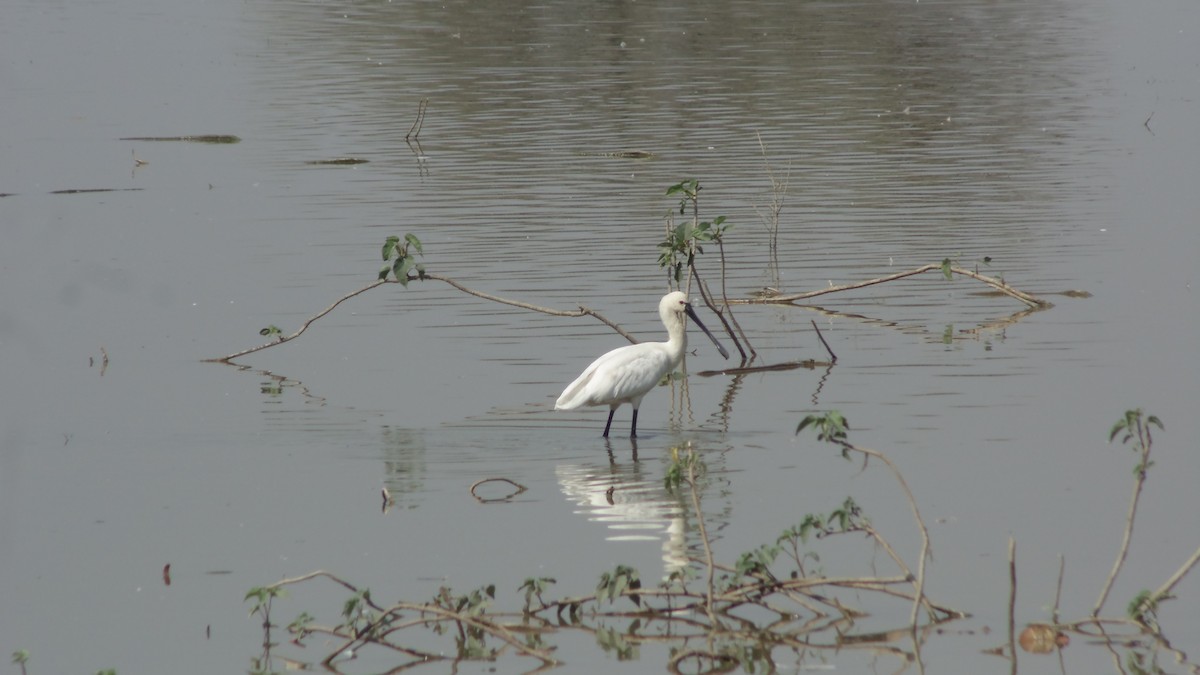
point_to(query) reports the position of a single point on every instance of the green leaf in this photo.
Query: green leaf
(400, 269)
(946, 268)
(602, 587)
(1143, 603)
(383, 272)
(389, 247)
(414, 242)
(262, 593)
(1117, 428)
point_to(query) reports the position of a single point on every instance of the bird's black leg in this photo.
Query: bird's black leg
(610, 416)
(633, 429)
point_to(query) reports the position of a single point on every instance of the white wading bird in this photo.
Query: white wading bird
(626, 374)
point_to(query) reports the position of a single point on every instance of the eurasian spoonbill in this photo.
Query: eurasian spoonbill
(626, 374)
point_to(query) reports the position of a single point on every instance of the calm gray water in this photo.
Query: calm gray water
(1056, 138)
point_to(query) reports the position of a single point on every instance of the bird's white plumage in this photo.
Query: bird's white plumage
(623, 374)
(626, 374)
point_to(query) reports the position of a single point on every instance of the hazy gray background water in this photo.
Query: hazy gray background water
(909, 132)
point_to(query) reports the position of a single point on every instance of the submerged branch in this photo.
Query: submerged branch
(793, 298)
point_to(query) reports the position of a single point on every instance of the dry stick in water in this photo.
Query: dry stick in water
(1004, 288)
(832, 356)
(415, 129)
(725, 299)
(1062, 568)
(520, 488)
(708, 301)
(1012, 602)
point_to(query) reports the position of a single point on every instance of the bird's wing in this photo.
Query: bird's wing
(572, 397)
(635, 377)
(620, 375)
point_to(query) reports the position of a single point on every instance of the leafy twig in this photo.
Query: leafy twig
(832, 427)
(1136, 428)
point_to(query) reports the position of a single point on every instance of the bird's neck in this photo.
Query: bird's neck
(677, 337)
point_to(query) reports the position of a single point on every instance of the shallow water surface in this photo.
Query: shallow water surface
(1053, 139)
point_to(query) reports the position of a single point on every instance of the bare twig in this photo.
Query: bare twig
(415, 129)
(832, 356)
(304, 327)
(919, 582)
(582, 311)
(778, 193)
(1165, 590)
(1012, 601)
(708, 301)
(520, 488)
(708, 556)
(810, 364)
(725, 300)
(1062, 568)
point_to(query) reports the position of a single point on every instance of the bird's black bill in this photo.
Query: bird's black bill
(692, 313)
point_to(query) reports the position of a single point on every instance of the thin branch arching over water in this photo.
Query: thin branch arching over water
(581, 311)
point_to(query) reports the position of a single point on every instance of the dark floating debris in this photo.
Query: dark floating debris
(621, 154)
(90, 190)
(339, 161)
(209, 138)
